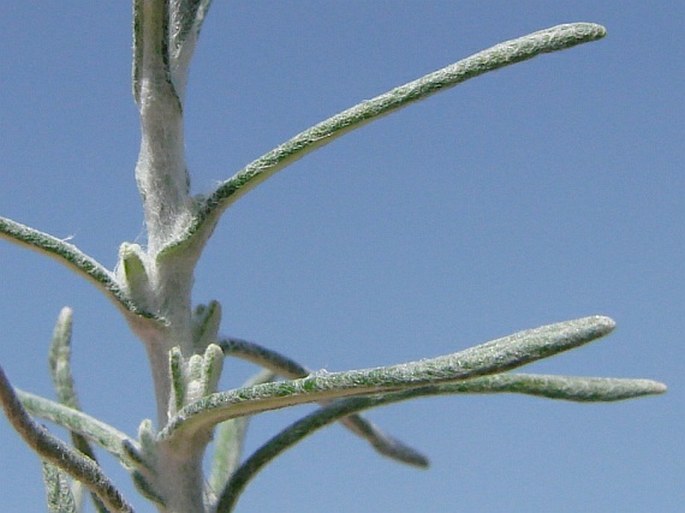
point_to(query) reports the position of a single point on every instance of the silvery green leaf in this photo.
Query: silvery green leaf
(282, 365)
(179, 382)
(74, 259)
(59, 496)
(132, 272)
(212, 365)
(503, 54)
(55, 451)
(60, 369)
(185, 22)
(489, 358)
(206, 321)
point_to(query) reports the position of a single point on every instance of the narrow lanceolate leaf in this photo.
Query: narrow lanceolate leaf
(228, 443)
(178, 380)
(206, 322)
(384, 443)
(59, 360)
(498, 56)
(59, 496)
(212, 365)
(96, 431)
(566, 388)
(60, 370)
(132, 273)
(185, 22)
(54, 451)
(570, 388)
(73, 258)
(490, 358)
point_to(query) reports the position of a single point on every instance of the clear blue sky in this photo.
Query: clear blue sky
(543, 192)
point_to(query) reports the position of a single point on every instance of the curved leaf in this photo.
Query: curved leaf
(554, 387)
(73, 258)
(489, 358)
(56, 452)
(104, 435)
(384, 443)
(504, 54)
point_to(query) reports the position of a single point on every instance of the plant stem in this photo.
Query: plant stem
(161, 172)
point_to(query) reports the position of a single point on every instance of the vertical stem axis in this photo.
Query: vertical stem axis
(161, 172)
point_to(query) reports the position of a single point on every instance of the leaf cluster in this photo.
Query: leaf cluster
(151, 287)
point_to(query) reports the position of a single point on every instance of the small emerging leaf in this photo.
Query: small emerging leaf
(59, 359)
(133, 273)
(206, 321)
(178, 380)
(229, 439)
(59, 496)
(194, 372)
(212, 366)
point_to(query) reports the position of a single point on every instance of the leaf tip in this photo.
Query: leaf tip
(605, 323)
(659, 388)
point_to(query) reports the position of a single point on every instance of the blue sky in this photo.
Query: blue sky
(543, 192)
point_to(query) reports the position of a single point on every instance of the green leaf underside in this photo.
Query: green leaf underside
(382, 442)
(489, 358)
(59, 358)
(570, 388)
(76, 421)
(59, 496)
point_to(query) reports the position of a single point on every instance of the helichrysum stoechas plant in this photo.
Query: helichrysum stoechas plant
(151, 287)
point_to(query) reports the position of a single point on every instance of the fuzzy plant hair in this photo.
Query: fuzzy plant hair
(151, 287)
